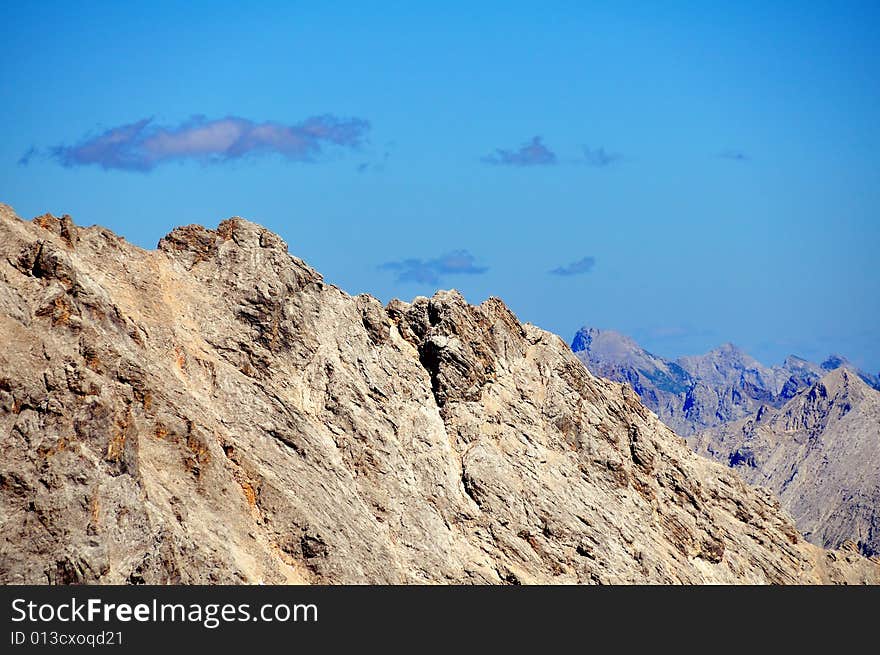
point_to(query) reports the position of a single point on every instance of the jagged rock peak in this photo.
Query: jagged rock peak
(243, 232)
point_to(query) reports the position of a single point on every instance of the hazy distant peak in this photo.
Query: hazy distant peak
(730, 352)
(609, 341)
(796, 362)
(834, 361)
(723, 364)
(587, 336)
(583, 338)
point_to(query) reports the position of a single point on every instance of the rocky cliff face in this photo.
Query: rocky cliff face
(213, 411)
(820, 453)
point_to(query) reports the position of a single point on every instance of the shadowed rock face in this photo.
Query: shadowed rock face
(213, 411)
(820, 453)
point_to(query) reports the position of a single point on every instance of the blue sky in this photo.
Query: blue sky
(687, 173)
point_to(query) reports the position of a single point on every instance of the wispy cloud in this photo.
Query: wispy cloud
(734, 155)
(25, 159)
(531, 153)
(430, 271)
(579, 267)
(143, 145)
(599, 157)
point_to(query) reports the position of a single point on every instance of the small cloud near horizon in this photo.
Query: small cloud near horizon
(531, 153)
(581, 266)
(734, 155)
(143, 145)
(430, 271)
(599, 157)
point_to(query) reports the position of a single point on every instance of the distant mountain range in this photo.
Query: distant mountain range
(809, 432)
(691, 394)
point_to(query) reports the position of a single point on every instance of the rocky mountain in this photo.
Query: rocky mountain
(695, 393)
(214, 411)
(822, 461)
(820, 453)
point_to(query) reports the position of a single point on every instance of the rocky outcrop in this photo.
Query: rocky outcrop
(820, 453)
(213, 411)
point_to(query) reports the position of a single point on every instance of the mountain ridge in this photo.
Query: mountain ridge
(697, 392)
(213, 411)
